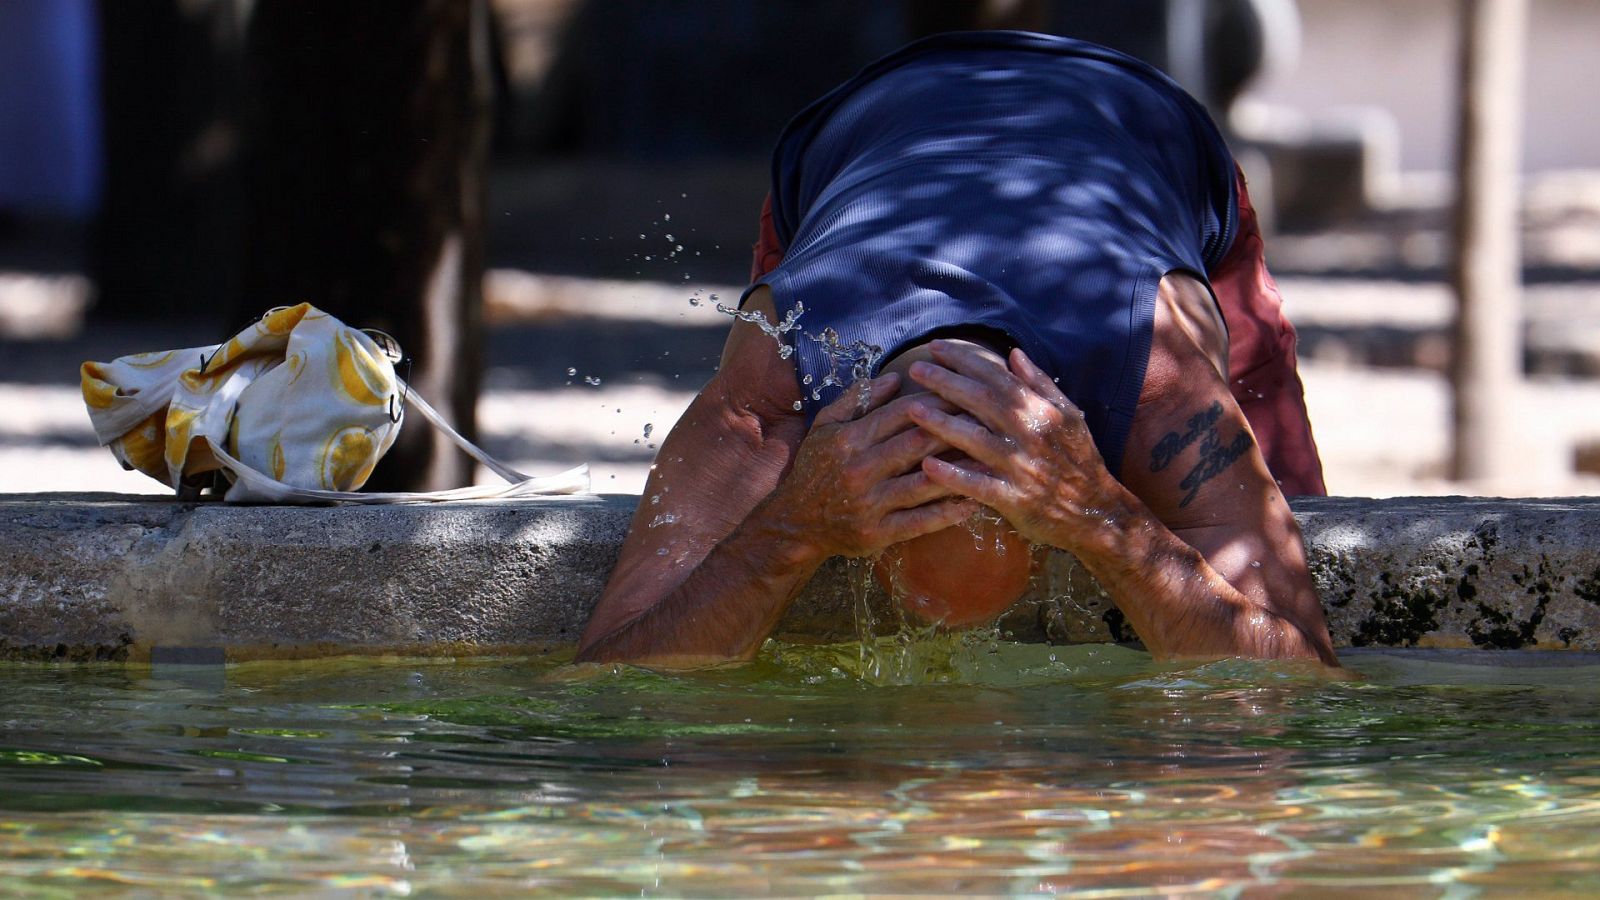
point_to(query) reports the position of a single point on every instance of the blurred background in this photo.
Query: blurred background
(544, 200)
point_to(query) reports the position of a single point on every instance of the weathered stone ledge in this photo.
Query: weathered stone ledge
(121, 577)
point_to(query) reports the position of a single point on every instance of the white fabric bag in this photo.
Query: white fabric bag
(298, 407)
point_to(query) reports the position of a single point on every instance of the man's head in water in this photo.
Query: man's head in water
(966, 575)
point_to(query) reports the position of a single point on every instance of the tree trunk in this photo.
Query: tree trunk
(366, 129)
(1487, 265)
(166, 238)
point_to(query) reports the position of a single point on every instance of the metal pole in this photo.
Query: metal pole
(1487, 258)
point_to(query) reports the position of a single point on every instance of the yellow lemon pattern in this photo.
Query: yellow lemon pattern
(357, 371)
(180, 427)
(231, 351)
(347, 459)
(293, 407)
(98, 393)
(275, 457)
(150, 360)
(296, 363)
(283, 321)
(307, 403)
(144, 448)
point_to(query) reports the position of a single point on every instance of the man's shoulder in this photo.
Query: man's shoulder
(754, 377)
(1188, 330)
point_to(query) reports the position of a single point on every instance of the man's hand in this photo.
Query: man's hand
(1045, 474)
(1047, 478)
(856, 486)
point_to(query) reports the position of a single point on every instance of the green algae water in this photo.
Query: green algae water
(982, 768)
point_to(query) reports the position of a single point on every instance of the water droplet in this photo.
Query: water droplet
(591, 379)
(1255, 564)
(655, 499)
(670, 238)
(572, 370)
(667, 217)
(641, 237)
(798, 406)
(694, 301)
(648, 428)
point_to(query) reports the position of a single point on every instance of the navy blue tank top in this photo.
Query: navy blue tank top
(1031, 185)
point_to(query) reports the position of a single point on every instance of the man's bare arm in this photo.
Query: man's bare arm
(1198, 549)
(744, 504)
(719, 462)
(1192, 460)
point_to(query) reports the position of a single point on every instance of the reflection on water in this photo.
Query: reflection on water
(1032, 770)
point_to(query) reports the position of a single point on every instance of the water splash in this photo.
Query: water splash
(903, 651)
(1059, 593)
(1075, 603)
(847, 362)
(858, 359)
(776, 332)
(859, 577)
(913, 652)
(997, 526)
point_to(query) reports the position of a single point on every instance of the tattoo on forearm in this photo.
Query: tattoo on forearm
(1215, 456)
(1168, 448)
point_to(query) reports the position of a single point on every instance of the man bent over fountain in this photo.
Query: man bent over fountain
(1038, 256)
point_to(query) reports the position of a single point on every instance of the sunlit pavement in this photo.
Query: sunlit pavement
(1382, 431)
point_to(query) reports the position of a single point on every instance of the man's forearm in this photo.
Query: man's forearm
(1181, 606)
(724, 609)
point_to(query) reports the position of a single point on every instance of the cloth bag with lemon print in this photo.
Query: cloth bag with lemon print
(297, 407)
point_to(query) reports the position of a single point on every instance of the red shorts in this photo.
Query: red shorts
(1261, 352)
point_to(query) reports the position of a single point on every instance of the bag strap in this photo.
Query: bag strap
(473, 450)
(261, 487)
